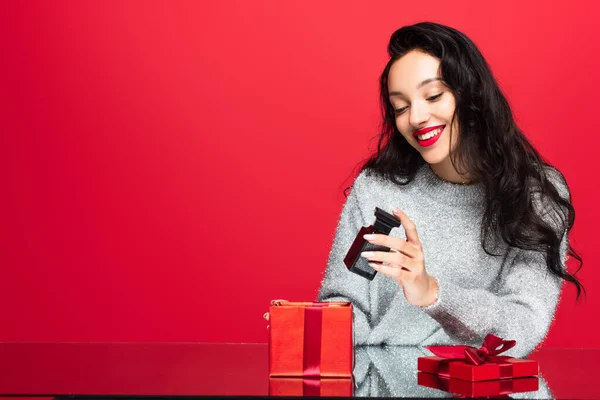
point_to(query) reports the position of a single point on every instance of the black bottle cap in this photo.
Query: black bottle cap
(384, 222)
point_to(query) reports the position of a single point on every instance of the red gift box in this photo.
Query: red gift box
(502, 368)
(498, 387)
(471, 364)
(311, 339)
(330, 387)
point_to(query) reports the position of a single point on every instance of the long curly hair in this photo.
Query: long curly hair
(490, 146)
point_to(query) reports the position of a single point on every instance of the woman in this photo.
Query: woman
(485, 219)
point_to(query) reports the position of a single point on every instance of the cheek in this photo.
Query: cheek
(408, 137)
(402, 124)
(455, 133)
(455, 129)
(447, 108)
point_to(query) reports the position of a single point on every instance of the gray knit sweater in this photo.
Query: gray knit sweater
(512, 296)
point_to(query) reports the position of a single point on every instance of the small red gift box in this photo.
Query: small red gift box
(497, 387)
(311, 339)
(502, 368)
(471, 364)
(313, 387)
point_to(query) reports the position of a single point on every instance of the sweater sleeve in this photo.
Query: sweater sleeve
(522, 309)
(338, 283)
(522, 305)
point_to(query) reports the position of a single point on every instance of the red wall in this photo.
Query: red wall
(170, 167)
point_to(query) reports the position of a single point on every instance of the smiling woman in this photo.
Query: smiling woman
(424, 106)
(485, 220)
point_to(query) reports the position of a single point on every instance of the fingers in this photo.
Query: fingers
(266, 317)
(391, 258)
(393, 271)
(409, 227)
(393, 243)
(406, 256)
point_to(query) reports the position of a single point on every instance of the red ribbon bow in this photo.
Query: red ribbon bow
(492, 346)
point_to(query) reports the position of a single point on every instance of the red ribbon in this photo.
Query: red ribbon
(313, 321)
(492, 346)
(311, 387)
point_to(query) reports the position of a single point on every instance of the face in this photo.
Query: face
(423, 106)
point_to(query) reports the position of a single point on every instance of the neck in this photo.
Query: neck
(446, 171)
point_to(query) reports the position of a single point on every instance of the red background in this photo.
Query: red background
(170, 167)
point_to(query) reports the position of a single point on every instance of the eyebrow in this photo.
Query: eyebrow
(420, 85)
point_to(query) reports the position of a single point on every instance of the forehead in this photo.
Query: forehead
(411, 69)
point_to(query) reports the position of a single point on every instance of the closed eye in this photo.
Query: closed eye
(399, 111)
(436, 97)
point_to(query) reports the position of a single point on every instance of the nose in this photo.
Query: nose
(419, 114)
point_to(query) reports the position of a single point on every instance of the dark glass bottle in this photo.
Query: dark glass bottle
(384, 222)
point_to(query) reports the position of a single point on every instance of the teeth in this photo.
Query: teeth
(430, 134)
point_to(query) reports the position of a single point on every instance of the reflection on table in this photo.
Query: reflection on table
(222, 369)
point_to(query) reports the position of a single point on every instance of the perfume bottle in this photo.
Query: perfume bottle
(384, 222)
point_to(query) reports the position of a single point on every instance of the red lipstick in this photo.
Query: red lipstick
(431, 140)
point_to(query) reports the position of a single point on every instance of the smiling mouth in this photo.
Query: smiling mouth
(430, 134)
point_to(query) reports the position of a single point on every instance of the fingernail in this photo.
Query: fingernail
(369, 237)
(367, 254)
(396, 210)
(374, 266)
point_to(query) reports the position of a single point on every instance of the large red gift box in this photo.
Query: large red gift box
(499, 387)
(471, 364)
(313, 387)
(311, 339)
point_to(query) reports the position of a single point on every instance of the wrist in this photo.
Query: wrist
(432, 292)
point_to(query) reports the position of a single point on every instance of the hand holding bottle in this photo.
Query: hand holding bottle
(405, 262)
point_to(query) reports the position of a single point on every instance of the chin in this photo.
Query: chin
(433, 159)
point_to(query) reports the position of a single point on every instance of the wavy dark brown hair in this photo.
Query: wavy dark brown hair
(490, 148)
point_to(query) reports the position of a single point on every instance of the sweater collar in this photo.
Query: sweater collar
(441, 191)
